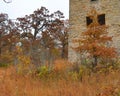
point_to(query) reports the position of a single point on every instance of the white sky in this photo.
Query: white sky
(20, 8)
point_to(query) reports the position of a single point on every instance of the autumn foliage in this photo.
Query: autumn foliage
(33, 46)
(42, 36)
(95, 41)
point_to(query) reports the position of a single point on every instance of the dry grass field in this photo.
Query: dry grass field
(13, 84)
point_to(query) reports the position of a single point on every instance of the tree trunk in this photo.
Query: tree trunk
(95, 61)
(0, 44)
(0, 52)
(35, 34)
(63, 52)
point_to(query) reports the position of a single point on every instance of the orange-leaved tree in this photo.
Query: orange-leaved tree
(94, 41)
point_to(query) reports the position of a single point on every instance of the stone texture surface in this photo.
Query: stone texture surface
(79, 9)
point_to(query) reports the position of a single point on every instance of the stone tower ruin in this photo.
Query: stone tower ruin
(109, 14)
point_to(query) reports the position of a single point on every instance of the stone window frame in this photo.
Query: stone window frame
(101, 19)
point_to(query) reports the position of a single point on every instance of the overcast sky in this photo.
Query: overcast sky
(20, 8)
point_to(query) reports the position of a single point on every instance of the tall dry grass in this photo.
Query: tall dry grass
(13, 84)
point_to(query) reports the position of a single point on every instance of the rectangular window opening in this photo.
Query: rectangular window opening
(101, 19)
(94, 0)
(89, 20)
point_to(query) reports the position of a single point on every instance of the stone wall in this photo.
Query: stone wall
(79, 10)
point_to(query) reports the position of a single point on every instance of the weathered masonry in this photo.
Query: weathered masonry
(109, 14)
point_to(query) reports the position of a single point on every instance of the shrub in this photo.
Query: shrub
(6, 59)
(79, 71)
